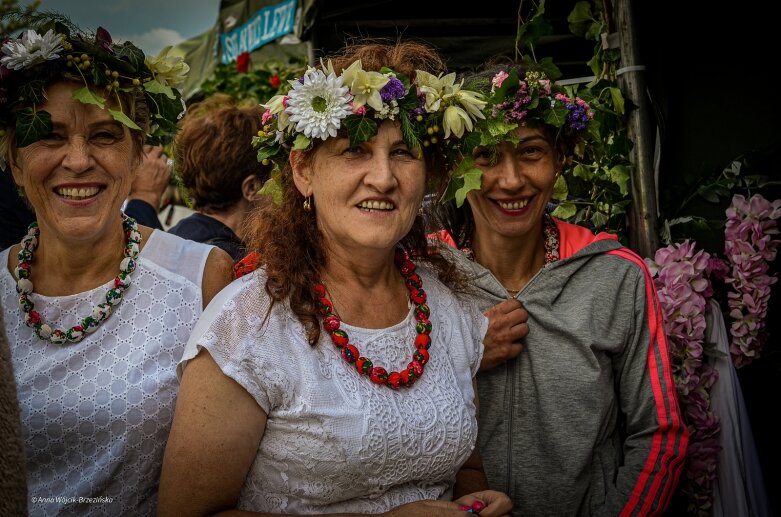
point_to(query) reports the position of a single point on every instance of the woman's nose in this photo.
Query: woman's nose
(78, 156)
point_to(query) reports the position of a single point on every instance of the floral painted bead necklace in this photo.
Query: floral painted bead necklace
(100, 313)
(364, 365)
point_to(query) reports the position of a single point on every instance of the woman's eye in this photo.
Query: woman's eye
(53, 137)
(482, 155)
(104, 136)
(351, 151)
(402, 151)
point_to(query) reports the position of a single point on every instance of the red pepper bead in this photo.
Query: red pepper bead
(350, 353)
(423, 341)
(421, 355)
(423, 327)
(34, 317)
(422, 312)
(394, 379)
(416, 367)
(378, 375)
(414, 280)
(331, 323)
(417, 295)
(319, 290)
(339, 337)
(478, 506)
(363, 365)
(325, 306)
(407, 377)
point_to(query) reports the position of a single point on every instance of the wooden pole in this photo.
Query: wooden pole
(644, 237)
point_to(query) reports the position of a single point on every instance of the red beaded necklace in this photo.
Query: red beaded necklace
(350, 353)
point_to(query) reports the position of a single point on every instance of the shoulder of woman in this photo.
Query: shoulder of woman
(217, 273)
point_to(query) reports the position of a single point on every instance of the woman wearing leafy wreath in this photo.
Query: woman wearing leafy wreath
(97, 308)
(585, 420)
(279, 411)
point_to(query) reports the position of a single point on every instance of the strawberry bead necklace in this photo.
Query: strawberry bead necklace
(364, 365)
(100, 313)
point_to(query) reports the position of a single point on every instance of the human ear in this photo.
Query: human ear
(302, 173)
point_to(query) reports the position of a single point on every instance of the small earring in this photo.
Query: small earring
(420, 211)
(308, 204)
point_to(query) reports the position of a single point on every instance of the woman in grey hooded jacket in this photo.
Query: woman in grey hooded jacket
(585, 420)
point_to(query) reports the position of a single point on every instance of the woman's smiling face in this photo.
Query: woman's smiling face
(78, 176)
(517, 186)
(365, 196)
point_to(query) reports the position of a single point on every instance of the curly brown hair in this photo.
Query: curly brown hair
(291, 245)
(213, 151)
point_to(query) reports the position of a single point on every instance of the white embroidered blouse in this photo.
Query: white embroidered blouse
(96, 414)
(334, 441)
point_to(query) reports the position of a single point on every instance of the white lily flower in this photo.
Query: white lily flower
(472, 102)
(364, 86)
(455, 120)
(168, 70)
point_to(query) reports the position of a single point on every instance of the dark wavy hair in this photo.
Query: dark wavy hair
(290, 243)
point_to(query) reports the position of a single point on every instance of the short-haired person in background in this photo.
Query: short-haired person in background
(585, 421)
(220, 170)
(337, 378)
(97, 308)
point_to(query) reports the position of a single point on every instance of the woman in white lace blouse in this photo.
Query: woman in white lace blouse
(97, 309)
(337, 377)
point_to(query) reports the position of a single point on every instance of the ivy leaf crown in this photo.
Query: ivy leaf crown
(433, 112)
(55, 49)
(516, 98)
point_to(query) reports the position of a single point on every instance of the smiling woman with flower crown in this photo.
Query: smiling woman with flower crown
(97, 309)
(337, 377)
(585, 421)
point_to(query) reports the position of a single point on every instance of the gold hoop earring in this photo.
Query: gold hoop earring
(308, 204)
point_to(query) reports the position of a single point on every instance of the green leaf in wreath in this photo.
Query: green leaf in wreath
(31, 126)
(272, 188)
(32, 91)
(121, 117)
(302, 142)
(360, 129)
(86, 96)
(154, 86)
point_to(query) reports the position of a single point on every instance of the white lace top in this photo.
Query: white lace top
(334, 441)
(96, 414)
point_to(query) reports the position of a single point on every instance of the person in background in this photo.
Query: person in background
(338, 376)
(97, 308)
(219, 168)
(585, 421)
(152, 178)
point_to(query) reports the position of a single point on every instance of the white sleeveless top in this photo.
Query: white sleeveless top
(96, 414)
(334, 441)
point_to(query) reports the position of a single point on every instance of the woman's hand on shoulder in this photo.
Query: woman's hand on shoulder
(506, 328)
(488, 503)
(217, 273)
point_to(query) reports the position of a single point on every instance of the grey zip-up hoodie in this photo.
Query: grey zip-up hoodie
(585, 421)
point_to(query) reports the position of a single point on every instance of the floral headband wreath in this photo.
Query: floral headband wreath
(56, 49)
(514, 101)
(434, 112)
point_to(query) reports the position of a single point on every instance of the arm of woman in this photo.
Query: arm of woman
(656, 435)
(214, 439)
(472, 484)
(217, 273)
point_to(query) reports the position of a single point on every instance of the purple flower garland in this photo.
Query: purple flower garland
(682, 278)
(750, 247)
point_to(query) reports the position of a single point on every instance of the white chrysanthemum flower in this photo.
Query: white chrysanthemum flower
(318, 104)
(31, 49)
